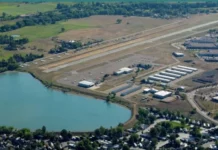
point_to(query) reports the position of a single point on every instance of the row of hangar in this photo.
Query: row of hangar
(171, 74)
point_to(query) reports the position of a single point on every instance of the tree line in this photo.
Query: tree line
(6, 17)
(143, 9)
(12, 43)
(13, 62)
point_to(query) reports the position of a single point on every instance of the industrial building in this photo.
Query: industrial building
(181, 69)
(121, 88)
(86, 84)
(153, 90)
(124, 70)
(177, 54)
(185, 67)
(159, 79)
(162, 94)
(203, 39)
(170, 74)
(164, 77)
(176, 72)
(129, 91)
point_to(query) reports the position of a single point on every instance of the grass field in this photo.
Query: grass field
(21, 8)
(5, 54)
(41, 31)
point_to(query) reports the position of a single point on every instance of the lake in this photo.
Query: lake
(26, 103)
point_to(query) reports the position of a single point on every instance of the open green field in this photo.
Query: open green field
(5, 54)
(21, 8)
(46, 31)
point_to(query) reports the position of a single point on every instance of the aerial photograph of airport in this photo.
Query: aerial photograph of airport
(108, 74)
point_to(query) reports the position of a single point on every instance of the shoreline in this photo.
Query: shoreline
(87, 93)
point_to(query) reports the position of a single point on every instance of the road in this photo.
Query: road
(134, 45)
(151, 126)
(190, 98)
(181, 136)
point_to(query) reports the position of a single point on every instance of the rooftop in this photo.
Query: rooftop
(84, 82)
(162, 93)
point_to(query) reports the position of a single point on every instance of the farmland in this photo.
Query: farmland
(22, 8)
(46, 31)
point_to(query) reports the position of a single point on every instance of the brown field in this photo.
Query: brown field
(108, 29)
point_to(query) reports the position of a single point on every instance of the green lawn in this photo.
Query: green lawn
(21, 8)
(41, 31)
(176, 124)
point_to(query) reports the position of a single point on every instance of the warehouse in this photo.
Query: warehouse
(86, 84)
(165, 77)
(124, 70)
(129, 91)
(176, 72)
(177, 54)
(159, 79)
(121, 88)
(170, 74)
(183, 70)
(162, 94)
(185, 67)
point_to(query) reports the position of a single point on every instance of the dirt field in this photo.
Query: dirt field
(107, 27)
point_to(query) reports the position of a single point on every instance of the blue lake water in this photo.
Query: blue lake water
(26, 103)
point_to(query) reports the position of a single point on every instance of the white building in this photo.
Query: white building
(182, 69)
(164, 76)
(124, 70)
(162, 94)
(176, 72)
(170, 74)
(147, 90)
(86, 84)
(158, 79)
(177, 54)
(185, 67)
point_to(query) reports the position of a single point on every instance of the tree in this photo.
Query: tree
(126, 147)
(216, 116)
(43, 130)
(133, 139)
(3, 15)
(62, 29)
(64, 134)
(193, 111)
(153, 132)
(119, 21)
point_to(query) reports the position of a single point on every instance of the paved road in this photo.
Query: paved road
(152, 126)
(181, 136)
(190, 98)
